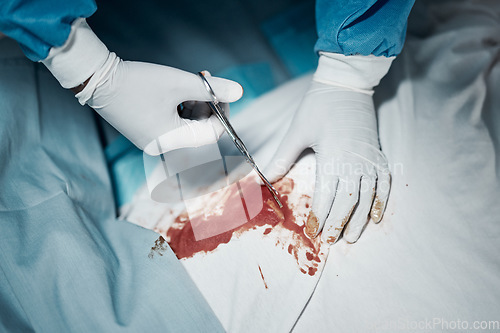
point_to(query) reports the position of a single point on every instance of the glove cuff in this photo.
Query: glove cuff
(101, 75)
(356, 72)
(80, 56)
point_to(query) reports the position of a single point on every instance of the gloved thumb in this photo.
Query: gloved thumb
(225, 90)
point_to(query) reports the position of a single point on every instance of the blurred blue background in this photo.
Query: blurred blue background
(259, 44)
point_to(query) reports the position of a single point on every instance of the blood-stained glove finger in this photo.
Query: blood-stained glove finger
(381, 195)
(344, 204)
(324, 195)
(359, 217)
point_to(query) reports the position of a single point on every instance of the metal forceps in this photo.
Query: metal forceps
(219, 113)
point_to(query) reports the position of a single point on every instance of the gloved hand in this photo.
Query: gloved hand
(336, 118)
(141, 100)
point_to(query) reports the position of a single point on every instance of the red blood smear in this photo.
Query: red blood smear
(262, 275)
(183, 243)
(233, 216)
(312, 271)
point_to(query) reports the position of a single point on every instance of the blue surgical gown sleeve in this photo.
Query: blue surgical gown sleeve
(362, 27)
(38, 25)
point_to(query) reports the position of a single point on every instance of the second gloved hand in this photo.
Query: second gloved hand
(336, 118)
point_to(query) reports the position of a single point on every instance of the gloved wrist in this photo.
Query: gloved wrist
(101, 74)
(356, 72)
(79, 58)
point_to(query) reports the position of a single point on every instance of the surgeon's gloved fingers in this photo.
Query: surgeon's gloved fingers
(323, 197)
(285, 156)
(344, 204)
(381, 195)
(191, 88)
(359, 217)
(192, 133)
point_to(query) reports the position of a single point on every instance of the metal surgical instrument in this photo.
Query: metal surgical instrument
(219, 113)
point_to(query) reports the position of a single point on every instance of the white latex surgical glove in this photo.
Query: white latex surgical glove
(158, 108)
(337, 119)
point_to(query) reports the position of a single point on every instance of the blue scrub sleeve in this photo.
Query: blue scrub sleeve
(38, 25)
(362, 27)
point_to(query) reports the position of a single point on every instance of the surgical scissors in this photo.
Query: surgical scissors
(219, 113)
